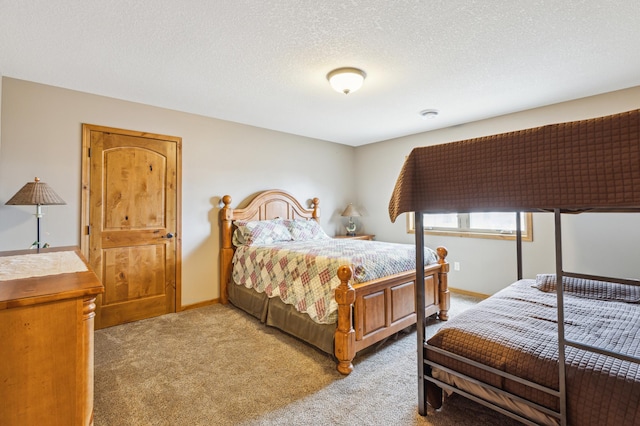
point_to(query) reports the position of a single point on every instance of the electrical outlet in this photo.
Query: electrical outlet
(456, 266)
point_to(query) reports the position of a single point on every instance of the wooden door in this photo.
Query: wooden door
(132, 222)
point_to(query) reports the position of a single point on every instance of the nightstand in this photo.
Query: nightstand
(357, 237)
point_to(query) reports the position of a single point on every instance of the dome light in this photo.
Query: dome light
(346, 80)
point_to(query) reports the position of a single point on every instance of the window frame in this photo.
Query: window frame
(468, 233)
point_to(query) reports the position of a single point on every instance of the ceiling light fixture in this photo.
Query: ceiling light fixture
(429, 113)
(346, 80)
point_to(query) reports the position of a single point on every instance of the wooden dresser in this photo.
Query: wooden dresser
(46, 338)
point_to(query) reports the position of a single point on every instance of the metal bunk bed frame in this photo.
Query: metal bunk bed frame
(586, 165)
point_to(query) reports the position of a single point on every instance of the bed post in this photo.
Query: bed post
(226, 249)
(433, 392)
(315, 203)
(443, 279)
(345, 335)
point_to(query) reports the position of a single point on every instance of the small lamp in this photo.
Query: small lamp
(36, 194)
(351, 212)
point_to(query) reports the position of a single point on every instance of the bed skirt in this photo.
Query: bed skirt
(275, 313)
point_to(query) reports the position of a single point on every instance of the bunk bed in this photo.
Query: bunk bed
(368, 309)
(591, 377)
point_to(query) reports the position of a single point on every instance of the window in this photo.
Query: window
(479, 225)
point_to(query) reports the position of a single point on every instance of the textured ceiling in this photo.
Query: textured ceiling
(264, 63)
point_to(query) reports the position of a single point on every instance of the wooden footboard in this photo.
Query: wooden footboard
(372, 311)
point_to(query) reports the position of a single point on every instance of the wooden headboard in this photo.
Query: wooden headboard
(270, 204)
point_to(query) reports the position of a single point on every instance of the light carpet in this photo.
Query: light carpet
(217, 365)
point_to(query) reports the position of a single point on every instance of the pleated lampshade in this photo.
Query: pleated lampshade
(350, 211)
(35, 193)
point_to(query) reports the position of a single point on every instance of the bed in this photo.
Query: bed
(366, 312)
(536, 351)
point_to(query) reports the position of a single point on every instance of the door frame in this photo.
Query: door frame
(86, 180)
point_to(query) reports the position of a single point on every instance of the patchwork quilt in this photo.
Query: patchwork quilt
(304, 273)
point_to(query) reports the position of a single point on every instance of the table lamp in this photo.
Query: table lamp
(36, 194)
(351, 212)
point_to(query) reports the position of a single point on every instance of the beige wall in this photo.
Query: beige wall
(41, 136)
(596, 244)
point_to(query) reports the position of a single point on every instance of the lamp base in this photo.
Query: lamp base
(351, 234)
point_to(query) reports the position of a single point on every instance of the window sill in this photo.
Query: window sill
(485, 235)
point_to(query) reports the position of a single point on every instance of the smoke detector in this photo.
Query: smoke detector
(429, 114)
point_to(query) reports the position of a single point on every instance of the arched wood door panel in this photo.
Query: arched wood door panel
(132, 222)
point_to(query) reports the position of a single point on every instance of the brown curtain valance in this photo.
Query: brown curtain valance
(582, 165)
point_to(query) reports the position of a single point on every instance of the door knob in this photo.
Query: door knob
(168, 236)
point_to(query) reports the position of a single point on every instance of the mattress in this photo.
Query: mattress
(516, 331)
